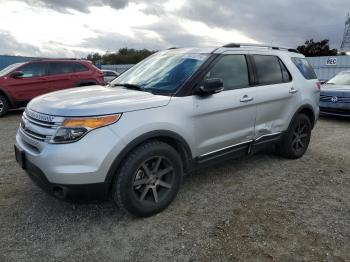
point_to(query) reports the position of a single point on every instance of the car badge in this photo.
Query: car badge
(334, 99)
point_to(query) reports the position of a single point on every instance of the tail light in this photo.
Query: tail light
(318, 85)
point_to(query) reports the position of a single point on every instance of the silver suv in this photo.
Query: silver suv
(174, 112)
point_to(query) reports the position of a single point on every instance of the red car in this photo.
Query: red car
(21, 82)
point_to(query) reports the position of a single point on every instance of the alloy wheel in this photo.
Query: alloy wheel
(300, 137)
(1, 105)
(153, 180)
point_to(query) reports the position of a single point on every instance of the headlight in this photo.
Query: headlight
(73, 129)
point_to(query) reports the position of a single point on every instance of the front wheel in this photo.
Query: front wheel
(297, 138)
(4, 105)
(149, 179)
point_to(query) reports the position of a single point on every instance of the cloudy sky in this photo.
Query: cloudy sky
(73, 28)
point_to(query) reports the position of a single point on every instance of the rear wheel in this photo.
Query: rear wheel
(4, 106)
(149, 179)
(297, 139)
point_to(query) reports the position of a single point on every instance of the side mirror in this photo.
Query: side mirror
(17, 74)
(210, 86)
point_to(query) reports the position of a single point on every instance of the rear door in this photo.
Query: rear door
(276, 97)
(61, 74)
(82, 74)
(226, 119)
(34, 82)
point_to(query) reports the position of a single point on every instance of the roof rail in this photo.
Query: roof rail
(45, 59)
(236, 45)
(232, 45)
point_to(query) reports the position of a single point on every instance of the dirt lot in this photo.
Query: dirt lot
(261, 208)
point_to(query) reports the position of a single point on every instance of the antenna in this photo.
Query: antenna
(345, 45)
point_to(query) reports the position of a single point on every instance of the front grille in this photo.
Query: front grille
(41, 123)
(340, 99)
(39, 127)
(34, 135)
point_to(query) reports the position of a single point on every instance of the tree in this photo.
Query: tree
(96, 57)
(123, 56)
(321, 48)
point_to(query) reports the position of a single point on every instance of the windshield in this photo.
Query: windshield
(162, 72)
(340, 79)
(8, 69)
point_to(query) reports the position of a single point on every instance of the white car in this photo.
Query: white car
(110, 75)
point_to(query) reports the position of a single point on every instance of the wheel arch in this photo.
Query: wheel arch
(8, 97)
(308, 111)
(173, 139)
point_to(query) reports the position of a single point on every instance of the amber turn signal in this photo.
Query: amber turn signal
(91, 122)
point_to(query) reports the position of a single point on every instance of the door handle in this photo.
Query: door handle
(293, 90)
(246, 99)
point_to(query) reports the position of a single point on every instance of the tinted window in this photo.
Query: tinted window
(232, 70)
(34, 70)
(80, 67)
(304, 67)
(61, 68)
(268, 69)
(285, 73)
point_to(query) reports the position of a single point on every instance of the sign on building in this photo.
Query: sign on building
(331, 61)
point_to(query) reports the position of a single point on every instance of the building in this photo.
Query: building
(328, 66)
(6, 60)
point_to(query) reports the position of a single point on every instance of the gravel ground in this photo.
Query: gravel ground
(260, 208)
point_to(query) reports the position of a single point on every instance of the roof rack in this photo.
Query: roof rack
(236, 45)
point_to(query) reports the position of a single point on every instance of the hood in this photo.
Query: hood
(95, 100)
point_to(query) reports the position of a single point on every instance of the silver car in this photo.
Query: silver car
(174, 112)
(109, 75)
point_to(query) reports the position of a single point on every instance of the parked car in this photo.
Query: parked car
(335, 96)
(109, 75)
(21, 82)
(174, 112)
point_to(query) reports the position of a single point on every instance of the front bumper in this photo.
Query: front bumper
(332, 112)
(334, 109)
(84, 192)
(72, 170)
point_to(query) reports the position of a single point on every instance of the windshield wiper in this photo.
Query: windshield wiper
(130, 86)
(330, 83)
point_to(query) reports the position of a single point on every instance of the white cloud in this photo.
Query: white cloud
(77, 27)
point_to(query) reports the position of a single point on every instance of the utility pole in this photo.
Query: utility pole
(345, 45)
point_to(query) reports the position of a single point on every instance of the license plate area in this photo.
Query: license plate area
(20, 157)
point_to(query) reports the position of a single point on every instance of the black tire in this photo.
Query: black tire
(297, 138)
(148, 179)
(4, 106)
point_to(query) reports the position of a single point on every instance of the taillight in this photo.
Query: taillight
(318, 85)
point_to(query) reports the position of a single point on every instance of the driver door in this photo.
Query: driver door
(32, 83)
(226, 120)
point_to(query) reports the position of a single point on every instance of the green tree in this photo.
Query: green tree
(321, 48)
(122, 56)
(94, 57)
